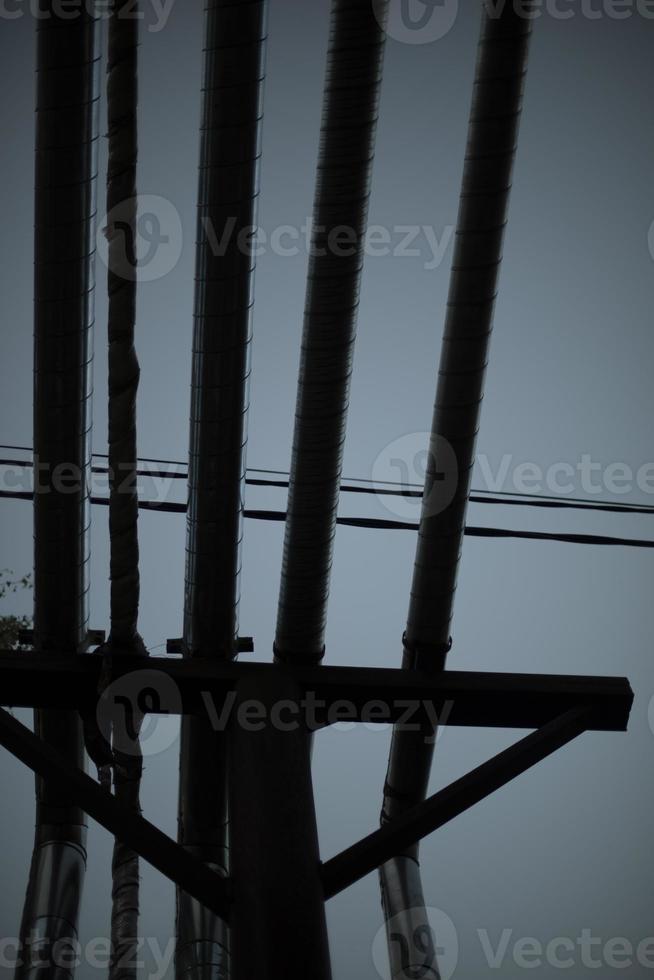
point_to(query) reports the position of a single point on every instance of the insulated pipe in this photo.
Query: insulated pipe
(123, 381)
(490, 152)
(347, 140)
(234, 61)
(66, 162)
(124, 372)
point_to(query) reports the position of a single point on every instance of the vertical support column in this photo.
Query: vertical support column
(278, 912)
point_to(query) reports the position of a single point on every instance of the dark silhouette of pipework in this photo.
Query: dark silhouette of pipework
(251, 887)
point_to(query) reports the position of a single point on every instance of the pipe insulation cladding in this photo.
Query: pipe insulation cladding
(67, 112)
(489, 158)
(343, 183)
(230, 150)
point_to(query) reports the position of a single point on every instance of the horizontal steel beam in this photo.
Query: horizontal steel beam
(371, 694)
(134, 830)
(412, 825)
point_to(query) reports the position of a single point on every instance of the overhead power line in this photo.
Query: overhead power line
(378, 488)
(279, 516)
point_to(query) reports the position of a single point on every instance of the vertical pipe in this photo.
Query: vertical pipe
(123, 381)
(490, 153)
(234, 61)
(65, 206)
(278, 909)
(347, 142)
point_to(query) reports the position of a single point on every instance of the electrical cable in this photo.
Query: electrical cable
(498, 497)
(279, 516)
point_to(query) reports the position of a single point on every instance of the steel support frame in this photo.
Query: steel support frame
(278, 885)
(124, 823)
(410, 826)
(478, 699)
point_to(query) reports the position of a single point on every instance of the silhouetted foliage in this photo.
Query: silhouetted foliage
(10, 625)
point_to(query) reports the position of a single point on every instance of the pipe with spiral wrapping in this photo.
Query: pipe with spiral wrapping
(66, 162)
(123, 381)
(234, 60)
(122, 102)
(347, 143)
(490, 153)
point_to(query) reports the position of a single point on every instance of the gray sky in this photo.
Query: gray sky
(567, 846)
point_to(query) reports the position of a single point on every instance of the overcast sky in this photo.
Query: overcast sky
(567, 847)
